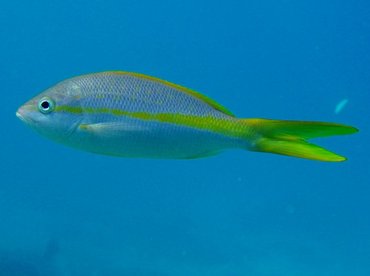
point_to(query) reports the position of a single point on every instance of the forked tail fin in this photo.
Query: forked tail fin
(290, 137)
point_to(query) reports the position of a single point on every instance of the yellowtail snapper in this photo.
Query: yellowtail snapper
(135, 115)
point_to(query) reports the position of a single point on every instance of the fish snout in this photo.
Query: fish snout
(20, 114)
(23, 113)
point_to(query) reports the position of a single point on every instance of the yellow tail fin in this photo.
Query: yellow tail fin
(290, 138)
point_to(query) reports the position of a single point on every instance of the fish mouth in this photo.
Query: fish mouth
(20, 114)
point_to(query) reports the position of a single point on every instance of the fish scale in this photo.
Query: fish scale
(140, 95)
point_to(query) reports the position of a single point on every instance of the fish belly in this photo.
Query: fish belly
(152, 139)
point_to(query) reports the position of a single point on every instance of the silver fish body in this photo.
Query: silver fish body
(120, 114)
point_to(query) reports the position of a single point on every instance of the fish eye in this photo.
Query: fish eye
(46, 105)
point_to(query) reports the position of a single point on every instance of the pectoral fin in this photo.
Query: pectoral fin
(110, 128)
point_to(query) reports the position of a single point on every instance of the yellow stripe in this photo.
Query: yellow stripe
(229, 127)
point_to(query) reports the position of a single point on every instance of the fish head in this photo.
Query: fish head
(51, 112)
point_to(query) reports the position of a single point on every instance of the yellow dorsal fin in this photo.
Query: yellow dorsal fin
(183, 89)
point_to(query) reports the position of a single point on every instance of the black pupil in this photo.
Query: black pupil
(45, 104)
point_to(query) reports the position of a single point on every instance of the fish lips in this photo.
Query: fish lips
(22, 114)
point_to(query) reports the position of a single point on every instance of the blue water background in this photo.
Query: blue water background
(66, 212)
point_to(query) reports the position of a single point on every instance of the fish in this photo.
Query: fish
(128, 114)
(339, 107)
